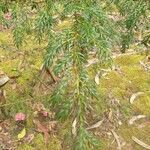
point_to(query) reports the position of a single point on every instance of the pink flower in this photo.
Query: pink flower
(8, 16)
(44, 113)
(20, 117)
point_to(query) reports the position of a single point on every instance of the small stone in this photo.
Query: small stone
(3, 78)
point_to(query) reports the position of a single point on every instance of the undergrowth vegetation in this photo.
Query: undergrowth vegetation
(49, 71)
(117, 84)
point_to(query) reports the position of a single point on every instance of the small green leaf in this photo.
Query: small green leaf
(22, 134)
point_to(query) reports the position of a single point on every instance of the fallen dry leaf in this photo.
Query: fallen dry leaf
(91, 62)
(42, 128)
(97, 79)
(135, 95)
(117, 139)
(134, 118)
(22, 134)
(74, 128)
(96, 125)
(140, 143)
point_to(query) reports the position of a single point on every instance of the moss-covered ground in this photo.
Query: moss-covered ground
(22, 66)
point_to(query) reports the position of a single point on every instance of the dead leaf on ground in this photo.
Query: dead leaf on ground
(117, 139)
(96, 125)
(97, 80)
(91, 62)
(22, 134)
(134, 118)
(135, 96)
(141, 143)
(42, 128)
(74, 128)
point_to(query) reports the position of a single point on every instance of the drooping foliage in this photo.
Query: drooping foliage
(132, 12)
(72, 29)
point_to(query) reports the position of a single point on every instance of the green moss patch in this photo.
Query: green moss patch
(129, 60)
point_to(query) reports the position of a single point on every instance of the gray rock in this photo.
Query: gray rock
(3, 80)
